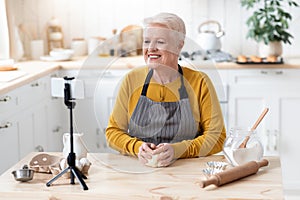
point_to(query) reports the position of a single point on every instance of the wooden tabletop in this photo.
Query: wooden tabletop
(113, 176)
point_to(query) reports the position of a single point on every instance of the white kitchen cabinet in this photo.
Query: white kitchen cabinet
(27, 120)
(250, 91)
(288, 111)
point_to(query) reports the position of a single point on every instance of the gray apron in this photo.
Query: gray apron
(163, 122)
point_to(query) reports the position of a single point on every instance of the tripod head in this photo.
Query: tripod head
(68, 88)
(67, 93)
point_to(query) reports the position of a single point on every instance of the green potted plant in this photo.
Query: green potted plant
(269, 23)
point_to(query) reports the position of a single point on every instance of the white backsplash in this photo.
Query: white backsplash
(88, 18)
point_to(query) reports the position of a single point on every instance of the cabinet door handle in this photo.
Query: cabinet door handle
(279, 72)
(263, 72)
(39, 148)
(53, 75)
(5, 99)
(276, 135)
(57, 129)
(34, 85)
(6, 125)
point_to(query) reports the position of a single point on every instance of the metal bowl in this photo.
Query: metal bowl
(24, 174)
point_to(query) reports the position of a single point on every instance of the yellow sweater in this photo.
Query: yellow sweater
(204, 104)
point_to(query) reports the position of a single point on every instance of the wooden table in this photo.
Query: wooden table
(114, 176)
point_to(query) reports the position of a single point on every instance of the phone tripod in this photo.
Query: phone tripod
(72, 156)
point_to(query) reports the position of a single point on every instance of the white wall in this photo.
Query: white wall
(87, 18)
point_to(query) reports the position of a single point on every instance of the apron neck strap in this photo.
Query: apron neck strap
(181, 90)
(147, 81)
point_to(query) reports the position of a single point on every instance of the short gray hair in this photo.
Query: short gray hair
(170, 20)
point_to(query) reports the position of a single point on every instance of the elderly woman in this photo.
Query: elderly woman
(165, 111)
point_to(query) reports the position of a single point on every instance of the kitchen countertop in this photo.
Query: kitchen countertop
(114, 176)
(37, 69)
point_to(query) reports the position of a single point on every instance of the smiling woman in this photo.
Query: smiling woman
(163, 110)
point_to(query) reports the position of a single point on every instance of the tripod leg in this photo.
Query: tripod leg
(72, 178)
(57, 176)
(78, 175)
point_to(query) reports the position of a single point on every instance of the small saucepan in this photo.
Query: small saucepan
(25, 174)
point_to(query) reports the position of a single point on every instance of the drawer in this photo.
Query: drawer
(265, 76)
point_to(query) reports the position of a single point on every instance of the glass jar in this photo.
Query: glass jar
(236, 155)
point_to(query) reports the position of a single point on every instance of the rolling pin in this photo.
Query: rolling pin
(234, 173)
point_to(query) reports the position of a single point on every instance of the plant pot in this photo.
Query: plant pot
(271, 49)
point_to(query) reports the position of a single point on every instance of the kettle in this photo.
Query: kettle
(208, 39)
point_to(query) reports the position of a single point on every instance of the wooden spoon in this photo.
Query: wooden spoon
(244, 143)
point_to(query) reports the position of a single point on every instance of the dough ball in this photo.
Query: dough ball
(153, 161)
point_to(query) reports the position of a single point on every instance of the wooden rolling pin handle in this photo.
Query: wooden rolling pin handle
(234, 173)
(213, 180)
(262, 163)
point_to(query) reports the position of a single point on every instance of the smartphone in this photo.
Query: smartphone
(58, 86)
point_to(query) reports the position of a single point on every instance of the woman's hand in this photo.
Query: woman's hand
(165, 154)
(146, 152)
